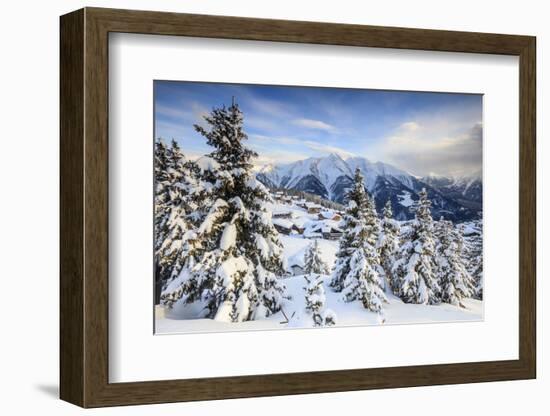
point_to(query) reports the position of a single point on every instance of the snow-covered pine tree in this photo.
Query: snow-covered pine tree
(356, 272)
(314, 291)
(236, 274)
(471, 281)
(415, 267)
(175, 184)
(473, 256)
(162, 194)
(454, 280)
(161, 211)
(313, 263)
(315, 301)
(478, 279)
(349, 242)
(372, 221)
(388, 244)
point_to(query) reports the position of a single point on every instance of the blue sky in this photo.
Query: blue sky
(420, 132)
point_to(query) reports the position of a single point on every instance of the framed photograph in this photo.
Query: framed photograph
(256, 207)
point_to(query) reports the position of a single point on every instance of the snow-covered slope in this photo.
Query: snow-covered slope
(328, 170)
(330, 177)
(372, 171)
(317, 174)
(468, 190)
(188, 318)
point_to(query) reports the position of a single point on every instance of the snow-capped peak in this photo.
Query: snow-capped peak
(328, 169)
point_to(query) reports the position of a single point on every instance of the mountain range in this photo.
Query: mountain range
(331, 176)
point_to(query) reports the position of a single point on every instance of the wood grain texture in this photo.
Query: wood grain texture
(71, 100)
(527, 208)
(225, 27)
(84, 205)
(96, 219)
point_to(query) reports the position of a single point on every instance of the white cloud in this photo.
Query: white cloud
(272, 145)
(409, 126)
(168, 130)
(313, 124)
(439, 146)
(276, 140)
(277, 157)
(163, 110)
(199, 112)
(325, 148)
(186, 111)
(266, 107)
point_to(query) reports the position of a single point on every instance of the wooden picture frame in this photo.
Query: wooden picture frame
(84, 207)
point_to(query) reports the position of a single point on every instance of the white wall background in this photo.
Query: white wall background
(29, 85)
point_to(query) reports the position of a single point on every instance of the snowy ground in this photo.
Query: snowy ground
(179, 319)
(184, 318)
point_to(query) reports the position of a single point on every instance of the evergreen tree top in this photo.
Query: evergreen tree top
(423, 205)
(160, 143)
(177, 158)
(358, 189)
(356, 196)
(227, 136)
(313, 263)
(175, 146)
